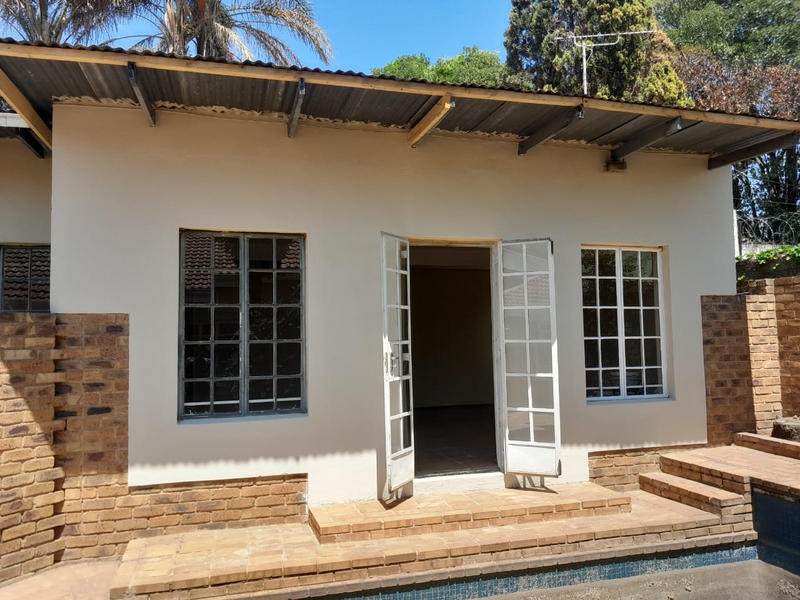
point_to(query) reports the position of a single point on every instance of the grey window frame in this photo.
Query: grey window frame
(244, 345)
(624, 396)
(3, 249)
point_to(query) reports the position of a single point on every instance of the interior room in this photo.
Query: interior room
(451, 333)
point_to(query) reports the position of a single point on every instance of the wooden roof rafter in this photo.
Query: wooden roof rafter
(20, 104)
(431, 119)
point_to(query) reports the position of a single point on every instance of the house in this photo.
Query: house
(385, 286)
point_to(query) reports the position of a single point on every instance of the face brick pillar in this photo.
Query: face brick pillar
(743, 376)
(92, 448)
(30, 484)
(787, 308)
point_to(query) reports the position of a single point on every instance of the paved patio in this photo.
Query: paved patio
(68, 581)
(369, 546)
(291, 558)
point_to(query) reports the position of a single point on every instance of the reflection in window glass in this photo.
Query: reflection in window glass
(24, 279)
(242, 327)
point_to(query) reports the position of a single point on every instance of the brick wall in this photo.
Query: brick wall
(787, 309)
(64, 459)
(751, 350)
(742, 368)
(30, 484)
(620, 469)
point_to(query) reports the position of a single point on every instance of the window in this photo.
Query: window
(242, 349)
(25, 278)
(623, 321)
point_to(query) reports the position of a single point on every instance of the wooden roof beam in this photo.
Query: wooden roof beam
(779, 143)
(141, 95)
(550, 129)
(431, 119)
(294, 116)
(646, 139)
(23, 108)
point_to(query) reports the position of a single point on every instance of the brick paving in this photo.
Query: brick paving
(446, 512)
(702, 499)
(691, 493)
(768, 444)
(735, 469)
(74, 581)
(283, 557)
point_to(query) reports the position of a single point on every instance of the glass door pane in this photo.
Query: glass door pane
(530, 369)
(397, 363)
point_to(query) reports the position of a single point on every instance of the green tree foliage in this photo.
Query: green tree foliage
(742, 56)
(663, 86)
(473, 65)
(765, 32)
(538, 47)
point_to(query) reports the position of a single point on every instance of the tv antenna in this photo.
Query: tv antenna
(585, 42)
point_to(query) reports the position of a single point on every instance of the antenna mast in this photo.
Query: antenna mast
(585, 42)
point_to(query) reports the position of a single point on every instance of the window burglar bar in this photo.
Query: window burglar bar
(25, 278)
(242, 324)
(623, 323)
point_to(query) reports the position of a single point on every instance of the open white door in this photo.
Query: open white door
(397, 363)
(529, 358)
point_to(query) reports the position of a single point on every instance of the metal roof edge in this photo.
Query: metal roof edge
(268, 71)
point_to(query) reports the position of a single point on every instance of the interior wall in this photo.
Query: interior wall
(24, 195)
(451, 334)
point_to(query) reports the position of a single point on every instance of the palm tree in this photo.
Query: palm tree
(65, 21)
(235, 30)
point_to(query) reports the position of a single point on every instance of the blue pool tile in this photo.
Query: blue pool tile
(563, 576)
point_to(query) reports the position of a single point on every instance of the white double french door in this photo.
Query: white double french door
(525, 368)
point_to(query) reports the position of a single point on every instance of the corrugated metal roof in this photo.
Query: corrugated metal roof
(43, 75)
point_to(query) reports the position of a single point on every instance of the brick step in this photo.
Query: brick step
(448, 512)
(696, 468)
(692, 493)
(288, 559)
(765, 443)
(736, 469)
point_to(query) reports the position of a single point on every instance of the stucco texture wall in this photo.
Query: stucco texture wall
(24, 195)
(124, 190)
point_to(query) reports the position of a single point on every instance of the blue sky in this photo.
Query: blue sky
(371, 33)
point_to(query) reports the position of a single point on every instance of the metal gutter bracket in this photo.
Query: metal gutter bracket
(643, 140)
(141, 95)
(30, 141)
(551, 129)
(294, 117)
(778, 143)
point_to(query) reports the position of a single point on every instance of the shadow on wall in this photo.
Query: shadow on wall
(64, 437)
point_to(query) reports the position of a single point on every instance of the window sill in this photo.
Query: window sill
(633, 400)
(242, 419)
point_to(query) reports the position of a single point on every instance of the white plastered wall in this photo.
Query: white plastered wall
(124, 190)
(24, 195)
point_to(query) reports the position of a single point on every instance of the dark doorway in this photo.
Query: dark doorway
(451, 333)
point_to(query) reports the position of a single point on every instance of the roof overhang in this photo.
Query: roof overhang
(33, 76)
